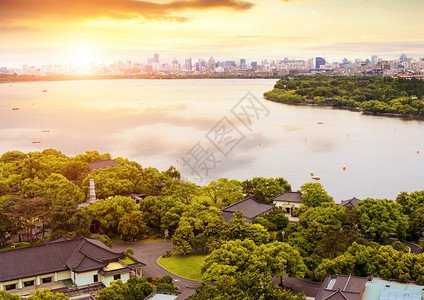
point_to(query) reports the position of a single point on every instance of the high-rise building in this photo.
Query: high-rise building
(319, 61)
(211, 64)
(175, 66)
(254, 65)
(188, 64)
(374, 59)
(156, 57)
(242, 64)
(403, 57)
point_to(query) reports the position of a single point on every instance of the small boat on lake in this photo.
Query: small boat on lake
(16, 108)
(36, 142)
(316, 178)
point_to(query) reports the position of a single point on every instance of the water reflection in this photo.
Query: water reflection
(155, 122)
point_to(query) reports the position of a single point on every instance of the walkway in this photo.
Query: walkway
(148, 253)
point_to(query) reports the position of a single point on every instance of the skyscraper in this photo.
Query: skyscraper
(188, 64)
(211, 64)
(156, 57)
(319, 61)
(242, 64)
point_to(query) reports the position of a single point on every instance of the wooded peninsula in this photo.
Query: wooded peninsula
(370, 94)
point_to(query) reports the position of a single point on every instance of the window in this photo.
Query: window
(29, 283)
(46, 280)
(95, 278)
(116, 277)
(10, 287)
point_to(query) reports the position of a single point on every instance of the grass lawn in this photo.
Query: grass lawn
(187, 266)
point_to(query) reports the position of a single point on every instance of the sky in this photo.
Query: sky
(79, 31)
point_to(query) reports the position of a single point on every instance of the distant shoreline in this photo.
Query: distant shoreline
(6, 78)
(360, 110)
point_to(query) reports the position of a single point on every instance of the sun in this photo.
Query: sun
(81, 56)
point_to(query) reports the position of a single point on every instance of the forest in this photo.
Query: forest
(243, 258)
(370, 94)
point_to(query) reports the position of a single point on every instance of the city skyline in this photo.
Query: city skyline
(42, 32)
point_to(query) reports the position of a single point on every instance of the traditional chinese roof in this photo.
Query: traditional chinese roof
(101, 164)
(250, 208)
(351, 202)
(295, 197)
(77, 254)
(343, 287)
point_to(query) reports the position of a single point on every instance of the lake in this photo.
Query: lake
(214, 123)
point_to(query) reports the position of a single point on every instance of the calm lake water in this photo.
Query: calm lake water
(159, 122)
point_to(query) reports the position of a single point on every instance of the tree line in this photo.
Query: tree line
(46, 188)
(372, 94)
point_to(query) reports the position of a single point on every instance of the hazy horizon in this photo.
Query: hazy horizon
(43, 32)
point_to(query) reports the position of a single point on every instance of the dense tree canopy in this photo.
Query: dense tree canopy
(374, 94)
(381, 218)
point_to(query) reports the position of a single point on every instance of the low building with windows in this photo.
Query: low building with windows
(288, 201)
(249, 207)
(347, 287)
(64, 265)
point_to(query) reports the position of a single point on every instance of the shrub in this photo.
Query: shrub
(167, 279)
(167, 254)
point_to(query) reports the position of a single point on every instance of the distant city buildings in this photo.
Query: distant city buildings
(212, 67)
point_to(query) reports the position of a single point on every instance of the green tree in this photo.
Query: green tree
(139, 288)
(109, 211)
(7, 296)
(267, 188)
(47, 295)
(313, 194)
(183, 238)
(243, 270)
(6, 225)
(225, 190)
(239, 229)
(27, 214)
(117, 290)
(380, 218)
(131, 225)
(150, 208)
(65, 215)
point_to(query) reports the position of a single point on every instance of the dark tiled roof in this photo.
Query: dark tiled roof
(115, 272)
(344, 287)
(101, 164)
(351, 202)
(250, 208)
(289, 197)
(136, 265)
(78, 254)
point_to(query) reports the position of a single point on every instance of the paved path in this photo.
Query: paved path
(148, 253)
(309, 288)
(414, 248)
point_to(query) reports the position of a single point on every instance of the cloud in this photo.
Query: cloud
(113, 9)
(17, 29)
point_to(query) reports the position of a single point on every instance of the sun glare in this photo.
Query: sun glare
(81, 57)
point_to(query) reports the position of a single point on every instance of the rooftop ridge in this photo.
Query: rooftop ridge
(77, 249)
(40, 245)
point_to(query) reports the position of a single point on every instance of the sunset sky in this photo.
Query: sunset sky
(61, 31)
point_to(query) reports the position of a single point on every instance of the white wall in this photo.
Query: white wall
(85, 278)
(108, 279)
(63, 275)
